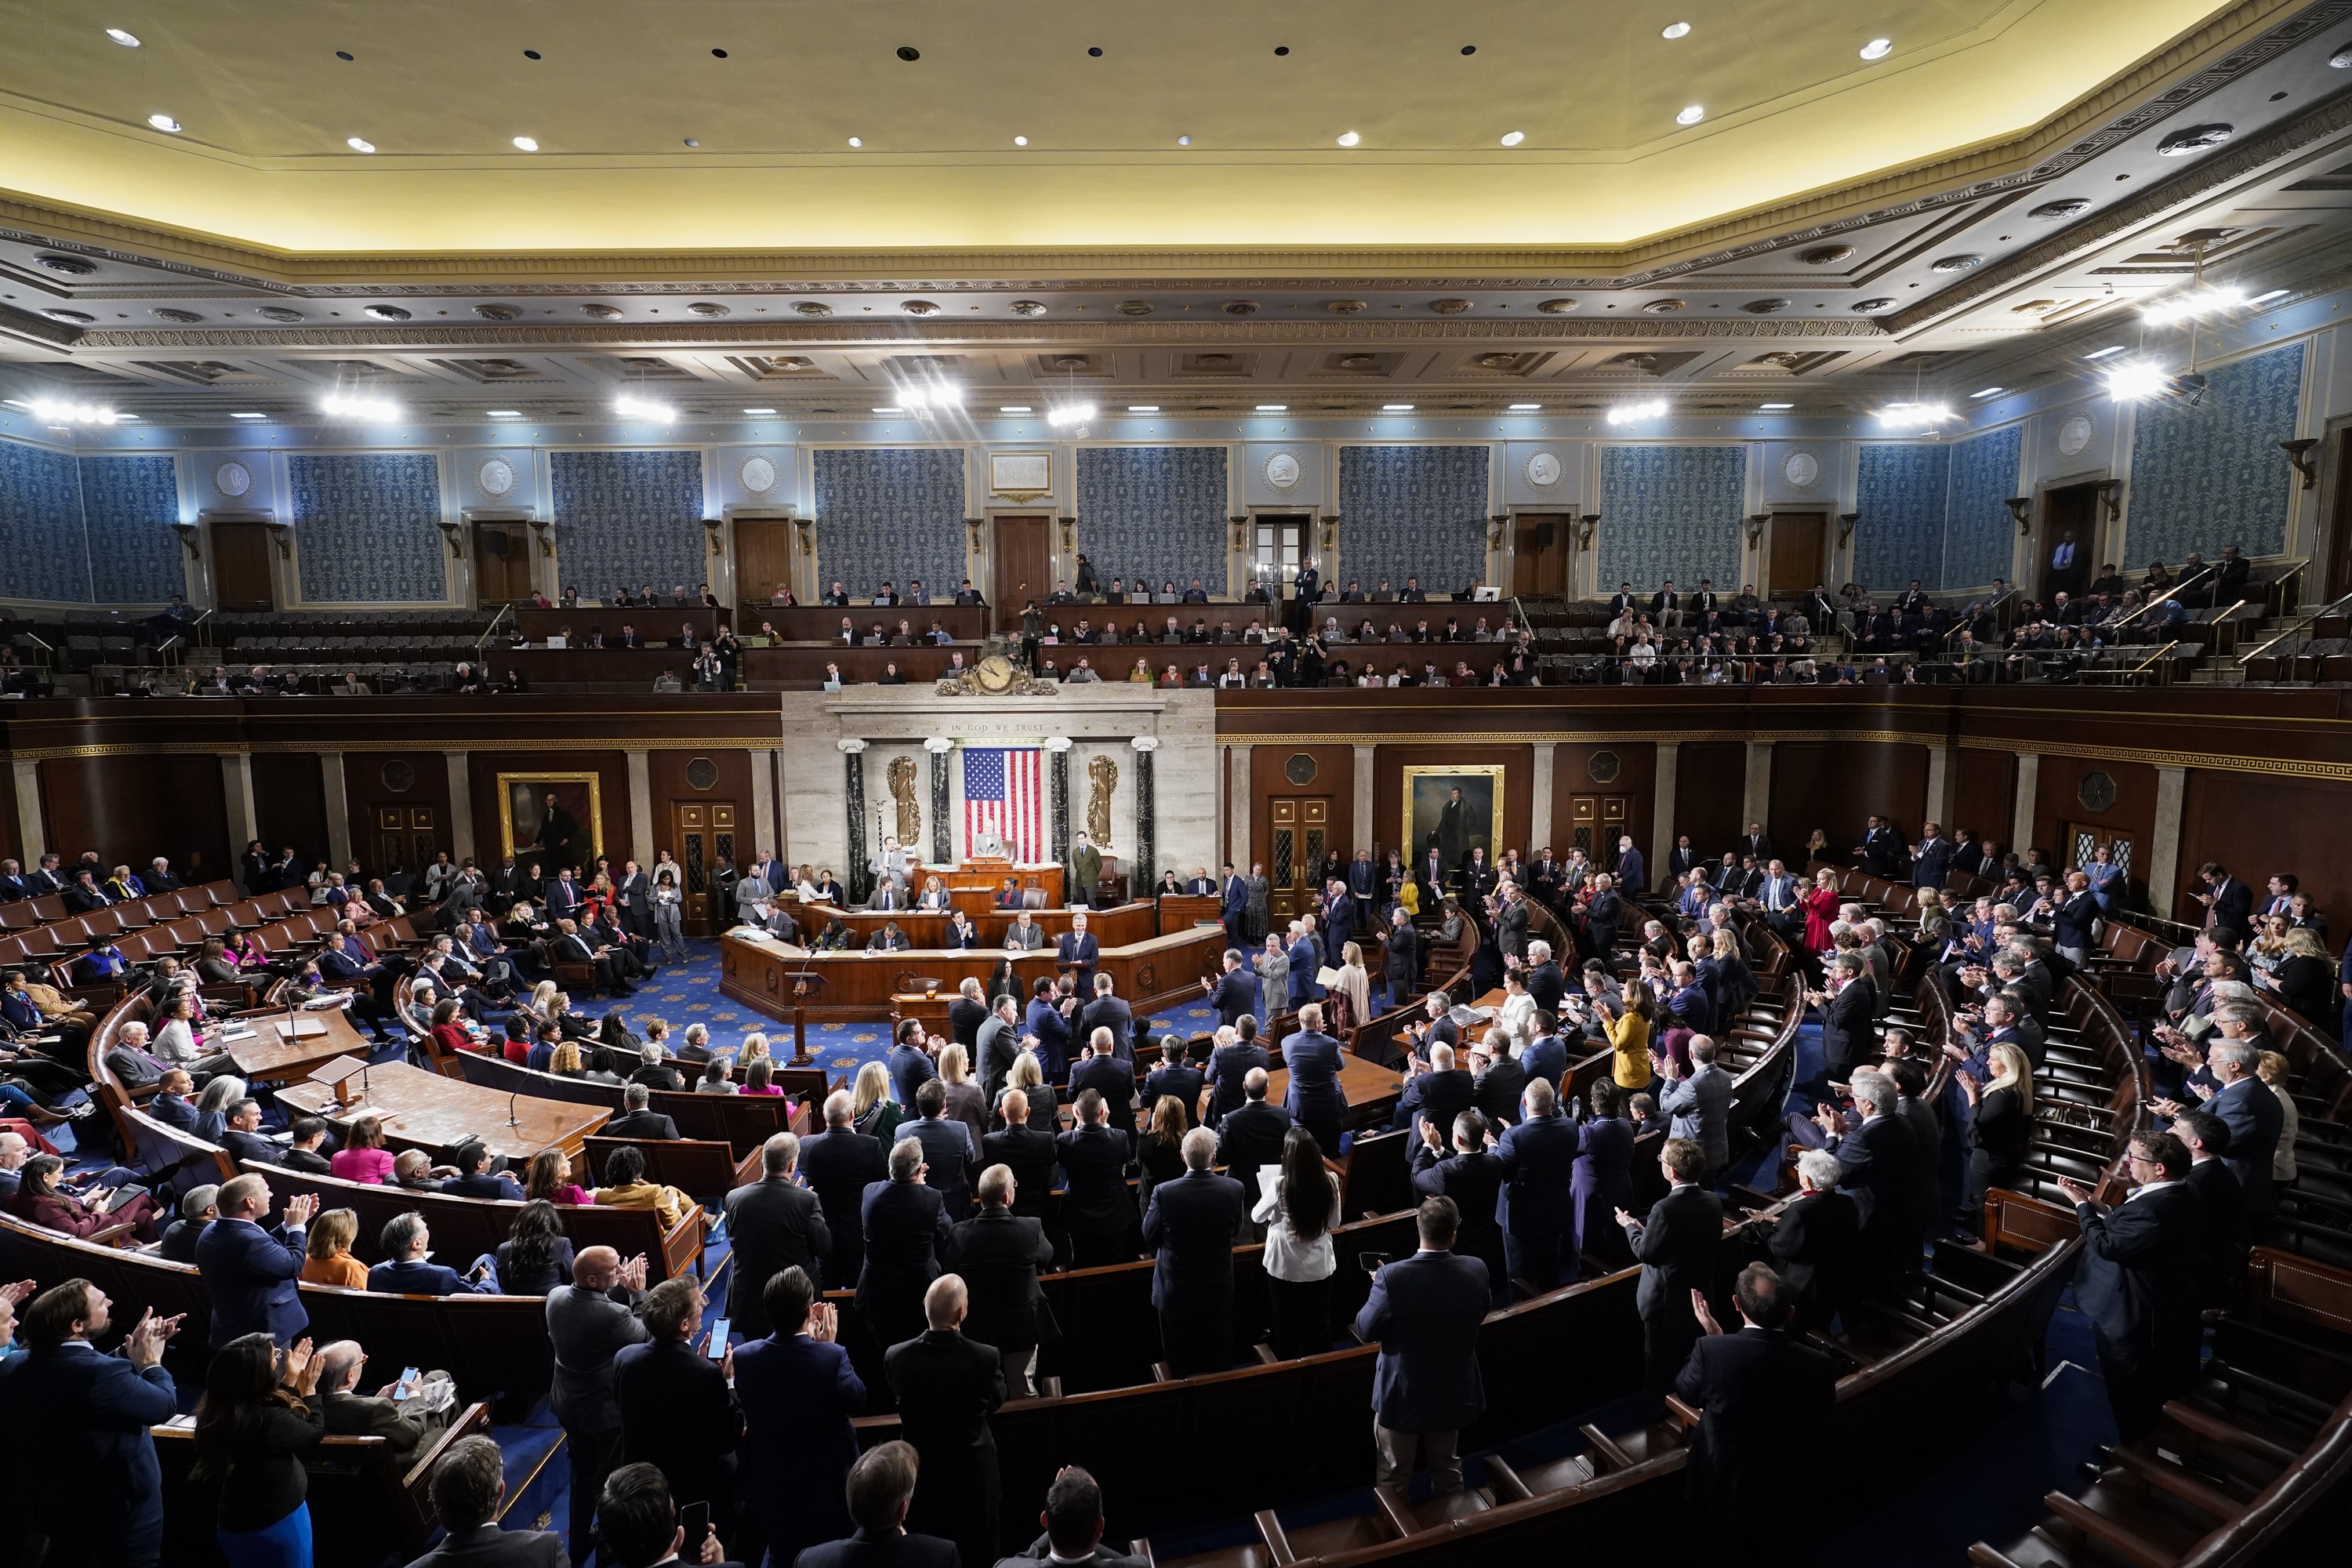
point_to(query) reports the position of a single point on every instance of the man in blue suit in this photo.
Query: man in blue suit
(1539, 1157)
(1189, 1227)
(1425, 1310)
(84, 1469)
(1229, 1069)
(1078, 952)
(1338, 922)
(250, 1270)
(909, 1064)
(907, 1231)
(1931, 857)
(1234, 910)
(1314, 1097)
(1100, 1070)
(1053, 1031)
(1305, 957)
(2252, 1112)
(1631, 875)
(406, 1272)
(1234, 993)
(1470, 1175)
(1545, 1056)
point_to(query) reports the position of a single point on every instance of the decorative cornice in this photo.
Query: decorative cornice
(2212, 762)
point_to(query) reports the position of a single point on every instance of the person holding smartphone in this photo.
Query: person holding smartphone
(678, 1403)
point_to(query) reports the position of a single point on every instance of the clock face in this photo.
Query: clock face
(1282, 470)
(2075, 435)
(233, 478)
(759, 475)
(498, 477)
(1543, 470)
(995, 673)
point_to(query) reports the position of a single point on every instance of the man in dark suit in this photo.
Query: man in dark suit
(635, 1120)
(1603, 913)
(474, 1179)
(774, 1223)
(2229, 903)
(1236, 992)
(1676, 1245)
(637, 1524)
(2137, 1280)
(1499, 1082)
(1878, 1159)
(1846, 1010)
(84, 1474)
(589, 1322)
(838, 1164)
(1314, 1097)
(966, 1014)
(1230, 1060)
(250, 1272)
(83, 894)
(1233, 911)
(1539, 1159)
(1251, 1135)
(1931, 857)
(1029, 1153)
(1545, 1056)
(679, 1412)
(1101, 1071)
(406, 1271)
(949, 1157)
(1073, 1519)
(996, 1047)
(997, 1256)
(243, 1137)
(881, 1489)
(1424, 1311)
(2251, 1110)
(1189, 1224)
(1098, 1205)
(468, 1488)
(1470, 1174)
(1077, 952)
(947, 1386)
(1044, 1020)
(906, 1228)
(1435, 1090)
(2221, 1271)
(1816, 1241)
(1108, 1012)
(909, 1064)
(1752, 1389)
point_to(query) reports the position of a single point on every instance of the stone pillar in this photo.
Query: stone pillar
(335, 792)
(1756, 791)
(1366, 833)
(461, 806)
(2164, 843)
(32, 835)
(2021, 814)
(853, 805)
(1540, 803)
(237, 789)
(1058, 807)
(1237, 795)
(763, 806)
(641, 807)
(1943, 784)
(1662, 815)
(1146, 874)
(942, 841)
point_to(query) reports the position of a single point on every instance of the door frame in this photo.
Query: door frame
(980, 556)
(2102, 529)
(538, 546)
(1822, 568)
(729, 517)
(1508, 568)
(263, 515)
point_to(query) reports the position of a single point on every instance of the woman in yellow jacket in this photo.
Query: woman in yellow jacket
(1629, 1037)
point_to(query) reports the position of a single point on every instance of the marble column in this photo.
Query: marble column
(852, 804)
(1661, 813)
(1058, 747)
(1237, 797)
(1366, 833)
(1943, 784)
(32, 835)
(1756, 791)
(942, 842)
(335, 793)
(237, 789)
(763, 806)
(1147, 828)
(1539, 803)
(641, 807)
(461, 804)
(2021, 814)
(2164, 843)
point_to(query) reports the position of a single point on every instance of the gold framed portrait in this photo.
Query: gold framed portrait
(570, 833)
(1458, 824)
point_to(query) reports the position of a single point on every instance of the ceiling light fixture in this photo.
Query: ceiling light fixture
(1015, 408)
(2196, 304)
(1775, 408)
(1396, 407)
(2266, 298)
(1349, 138)
(1878, 48)
(1691, 116)
(2135, 381)
(1676, 30)
(1915, 416)
(932, 397)
(165, 123)
(1143, 408)
(759, 411)
(359, 143)
(1627, 412)
(526, 144)
(1021, 140)
(1987, 392)
(858, 141)
(1513, 137)
(2103, 353)
(248, 416)
(1273, 408)
(1525, 407)
(1068, 414)
(1183, 140)
(630, 407)
(128, 40)
(52, 413)
(354, 405)
(505, 413)
(891, 408)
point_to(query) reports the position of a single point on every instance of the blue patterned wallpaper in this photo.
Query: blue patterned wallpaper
(1672, 511)
(1980, 534)
(889, 514)
(1412, 510)
(1900, 535)
(40, 525)
(129, 505)
(2213, 475)
(367, 528)
(627, 519)
(1156, 512)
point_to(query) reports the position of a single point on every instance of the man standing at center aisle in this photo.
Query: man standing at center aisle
(1085, 870)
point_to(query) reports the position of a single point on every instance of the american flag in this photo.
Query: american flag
(1004, 794)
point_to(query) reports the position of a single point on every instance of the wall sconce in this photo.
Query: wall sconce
(973, 524)
(1497, 524)
(1584, 527)
(1069, 533)
(454, 533)
(1330, 535)
(1241, 532)
(189, 535)
(543, 532)
(1846, 520)
(1756, 528)
(710, 526)
(2022, 509)
(283, 533)
(2298, 452)
(2111, 496)
(807, 526)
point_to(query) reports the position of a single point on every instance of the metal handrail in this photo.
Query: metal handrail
(2332, 608)
(480, 642)
(204, 638)
(2141, 667)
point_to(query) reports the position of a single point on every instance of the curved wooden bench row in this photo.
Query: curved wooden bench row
(742, 1121)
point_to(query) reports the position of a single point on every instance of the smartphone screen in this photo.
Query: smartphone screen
(695, 1520)
(408, 1380)
(718, 1353)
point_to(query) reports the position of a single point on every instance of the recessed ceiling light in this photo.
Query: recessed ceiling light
(50, 413)
(1396, 407)
(630, 407)
(1525, 407)
(856, 141)
(1513, 137)
(530, 54)
(1021, 140)
(759, 411)
(2135, 381)
(1774, 407)
(1349, 139)
(163, 122)
(2273, 294)
(526, 144)
(1627, 412)
(1676, 30)
(1183, 140)
(889, 410)
(356, 407)
(248, 416)
(1015, 408)
(506, 413)
(1878, 48)
(128, 40)
(1988, 391)
(1273, 408)
(1143, 408)
(694, 142)
(359, 143)
(345, 55)
(2103, 353)
(1691, 116)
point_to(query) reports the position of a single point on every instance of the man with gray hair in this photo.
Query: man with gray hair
(774, 1223)
(589, 1320)
(907, 1232)
(1846, 1005)
(1700, 1106)
(1189, 1224)
(838, 1164)
(2248, 1107)
(636, 1119)
(998, 1255)
(947, 1384)
(394, 1413)
(1878, 1159)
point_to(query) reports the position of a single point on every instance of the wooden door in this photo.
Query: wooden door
(2070, 530)
(1298, 830)
(1792, 562)
(703, 833)
(1021, 557)
(501, 564)
(764, 558)
(1540, 554)
(1594, 822)
(2085, 839)
(405, 837)
(241, 575)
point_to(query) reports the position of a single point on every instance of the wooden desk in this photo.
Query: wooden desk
(1373, 1091)
(1111, 928)
(1183, 911)
(269, 1056)
(1150, 974)
(821, 623)
(657, 624)
(438, 1113)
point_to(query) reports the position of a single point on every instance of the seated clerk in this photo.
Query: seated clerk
(406, 1271)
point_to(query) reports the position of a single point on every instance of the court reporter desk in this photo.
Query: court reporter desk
(1148, 975)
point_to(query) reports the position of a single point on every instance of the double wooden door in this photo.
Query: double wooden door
(704, 834)
(1594, 823)
(501, 564)
(1021, 567)
(1539, 543)
(241, 575)
(407, 837)
(1298, 837)
(1793, 559)
(764, 558)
